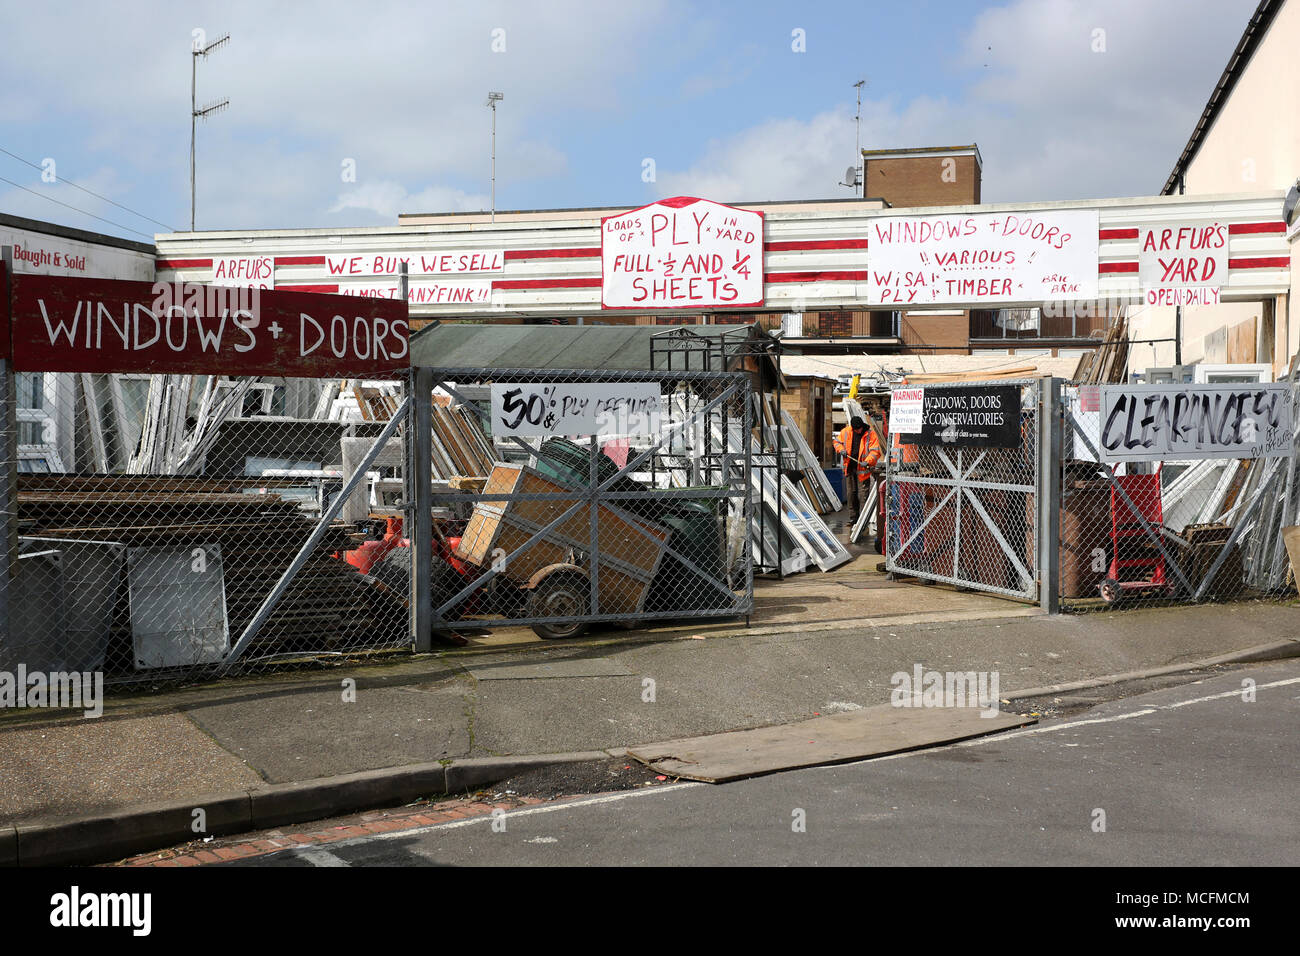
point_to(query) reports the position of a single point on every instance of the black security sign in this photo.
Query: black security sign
(969, 416)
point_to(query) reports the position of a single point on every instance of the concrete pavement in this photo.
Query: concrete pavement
(1193, 775)
(609, 691)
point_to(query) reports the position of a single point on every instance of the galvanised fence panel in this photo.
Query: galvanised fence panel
(569, 499)
(964, 513)
(179, 527)
(1176, 494)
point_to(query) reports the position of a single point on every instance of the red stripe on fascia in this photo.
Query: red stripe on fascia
(1261, 262)
(576, 253)
(182, 263)
(1106, 267)
(1118, 234)
(591, 283)
(1252, 228)
(307, 288)
(815, 276)
(299, 260)
(798, 245)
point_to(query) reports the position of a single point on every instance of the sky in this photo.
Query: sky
(347, 114)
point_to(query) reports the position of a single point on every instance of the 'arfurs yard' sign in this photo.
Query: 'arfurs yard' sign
(1183, 263)
(64, 324)
(682, 253)
(1034, 256)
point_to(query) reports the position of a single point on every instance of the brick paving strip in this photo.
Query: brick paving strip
(221, 849)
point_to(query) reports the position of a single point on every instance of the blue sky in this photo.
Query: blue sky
(1066, 100)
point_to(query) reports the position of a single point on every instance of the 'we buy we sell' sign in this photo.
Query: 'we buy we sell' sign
(681, 253)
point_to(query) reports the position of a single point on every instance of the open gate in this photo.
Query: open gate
(964, 514)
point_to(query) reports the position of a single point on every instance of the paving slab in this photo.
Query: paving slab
(83, 766)
(302, 736)
(857, 735)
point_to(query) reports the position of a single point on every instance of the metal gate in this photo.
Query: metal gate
(641, 511)
(968, 516)
(1174, 528)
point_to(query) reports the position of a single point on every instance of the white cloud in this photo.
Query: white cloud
(1053, 119)
(387, 199)
(398, 87)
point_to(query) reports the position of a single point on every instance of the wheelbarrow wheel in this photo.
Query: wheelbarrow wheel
(1111, 590)
(560, 595)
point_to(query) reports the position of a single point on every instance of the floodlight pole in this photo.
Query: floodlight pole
(857, 152)
(492, 101)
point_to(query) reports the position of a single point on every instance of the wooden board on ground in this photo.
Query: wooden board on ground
(857, 735)
(551, 670)
(1292, 538)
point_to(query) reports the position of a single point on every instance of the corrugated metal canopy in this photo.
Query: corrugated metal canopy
(617, 347)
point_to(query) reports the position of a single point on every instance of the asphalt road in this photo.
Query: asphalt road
(1187, 775)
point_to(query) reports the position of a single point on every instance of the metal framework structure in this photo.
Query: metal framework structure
(969, 516)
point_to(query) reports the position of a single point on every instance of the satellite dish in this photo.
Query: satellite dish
(851, 178)
(1292, 199)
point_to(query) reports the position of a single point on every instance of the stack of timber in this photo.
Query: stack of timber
(978, 375)
(1107, 364)
(328, 605)
(460, 448)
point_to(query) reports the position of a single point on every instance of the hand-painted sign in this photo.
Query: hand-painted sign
(1183, 264)
(983, 257)
(5, 336)
(1187, 422)
(970, 416)
(682, 253)
(905, 411)
(254, 272)
(420, 292)
(101, 325)
(560, 408)
(456, 262)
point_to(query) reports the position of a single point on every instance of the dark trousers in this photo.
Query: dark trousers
(856, 490)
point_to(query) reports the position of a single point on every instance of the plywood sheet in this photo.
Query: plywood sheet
(870, 732)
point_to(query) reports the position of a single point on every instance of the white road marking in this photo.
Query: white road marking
(319, 856)
(1229, 693)
(1051, 728)
(485, 818)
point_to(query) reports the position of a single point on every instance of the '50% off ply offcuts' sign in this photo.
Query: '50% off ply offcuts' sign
(681, 253)
(575, 410)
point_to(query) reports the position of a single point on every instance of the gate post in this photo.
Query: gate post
(8, 449)
(419, 443)
(1049, 494)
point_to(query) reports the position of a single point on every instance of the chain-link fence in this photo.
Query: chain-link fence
(1176, 493)
(564, 500)
(171, 527)
(962, 493)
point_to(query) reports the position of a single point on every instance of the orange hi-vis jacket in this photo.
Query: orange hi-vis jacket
(868, 450)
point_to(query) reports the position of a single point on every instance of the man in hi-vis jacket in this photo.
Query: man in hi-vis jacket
(861, 450)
